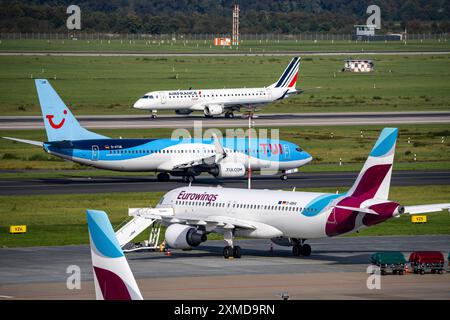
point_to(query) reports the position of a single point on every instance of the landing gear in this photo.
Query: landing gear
(301, 248)
(154, 114)
(229, 114)
(284, 177)
(230, 250)
(163, 177)
(188, 179)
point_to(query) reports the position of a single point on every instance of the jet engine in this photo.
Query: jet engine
(228, 170)
(179, 236)
(213, 110)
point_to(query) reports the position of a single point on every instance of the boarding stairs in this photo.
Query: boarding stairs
(139, 220)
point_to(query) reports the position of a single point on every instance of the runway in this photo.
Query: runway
(262, 120)
(83, 185)
(336, 269)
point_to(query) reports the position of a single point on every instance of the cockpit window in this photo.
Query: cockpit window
(147, 97)
(299, 149)
(161, 200)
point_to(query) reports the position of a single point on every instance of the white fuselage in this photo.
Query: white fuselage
(217, 100)
(282, 210)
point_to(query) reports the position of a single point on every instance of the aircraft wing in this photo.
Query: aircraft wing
(425, 208)
(167, 215)
(218, 156)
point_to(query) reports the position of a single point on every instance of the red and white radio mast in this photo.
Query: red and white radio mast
(235, 36)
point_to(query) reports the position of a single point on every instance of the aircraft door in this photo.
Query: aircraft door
(95, 153)
(269, 94)
(286, 151)
(163, 98)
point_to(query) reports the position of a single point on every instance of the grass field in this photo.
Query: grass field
(110, 85)
(425, 142)
(204, 46)
(61, 219)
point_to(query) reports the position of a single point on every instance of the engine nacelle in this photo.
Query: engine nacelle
(282, 241)
(183, 111)
(228, 170)
(179, 236)
(213, 110)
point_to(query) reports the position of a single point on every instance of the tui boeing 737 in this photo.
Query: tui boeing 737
(187, 158)
(214, 102)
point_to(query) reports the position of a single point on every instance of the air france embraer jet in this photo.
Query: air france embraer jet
(214, 102)
(288, 218)
(184, 157)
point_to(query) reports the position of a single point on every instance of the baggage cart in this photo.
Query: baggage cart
(389, 262)
(427, 261)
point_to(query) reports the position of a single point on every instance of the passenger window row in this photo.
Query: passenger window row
(243, 206)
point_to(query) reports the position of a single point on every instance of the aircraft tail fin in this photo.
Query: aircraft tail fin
(289, 77)
(374, 180)
(60, 124)
(112, 274)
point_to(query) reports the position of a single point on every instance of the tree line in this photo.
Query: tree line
(214, 16)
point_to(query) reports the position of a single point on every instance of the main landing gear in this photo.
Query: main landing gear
(163, 177)
(284, 177)
(154, 114)
(229, 114)
(230, 250)
(188, 179)
(301, 248)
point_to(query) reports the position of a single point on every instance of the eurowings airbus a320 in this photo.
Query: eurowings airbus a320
(214, 102)
(287, 218)
(188, 158)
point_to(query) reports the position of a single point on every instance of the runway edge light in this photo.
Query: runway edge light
(18, 229)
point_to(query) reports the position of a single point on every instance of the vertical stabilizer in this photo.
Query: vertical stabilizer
(289, 77)
(375, 177)
(60, 124)
(112, 275)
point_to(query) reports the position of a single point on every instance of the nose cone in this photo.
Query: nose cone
(308, 157)
(140, 104)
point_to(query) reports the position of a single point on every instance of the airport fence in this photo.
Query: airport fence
(315, 36)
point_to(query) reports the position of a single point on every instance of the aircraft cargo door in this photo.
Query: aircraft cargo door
(95, 153)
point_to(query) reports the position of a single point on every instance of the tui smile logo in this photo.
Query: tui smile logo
(56, 125)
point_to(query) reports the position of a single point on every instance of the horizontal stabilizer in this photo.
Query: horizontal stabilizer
(35, 143)
(362, 210)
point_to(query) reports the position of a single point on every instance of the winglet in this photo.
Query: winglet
(112, 275)
(220, 151)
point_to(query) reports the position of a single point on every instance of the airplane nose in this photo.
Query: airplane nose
(139, 104)
(309, 159)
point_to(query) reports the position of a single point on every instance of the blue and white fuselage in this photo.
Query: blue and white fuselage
(168, 154)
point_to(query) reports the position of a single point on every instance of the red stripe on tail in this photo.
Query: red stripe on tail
(294, 81)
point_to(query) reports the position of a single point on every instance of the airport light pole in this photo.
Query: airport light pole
(250, 116)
